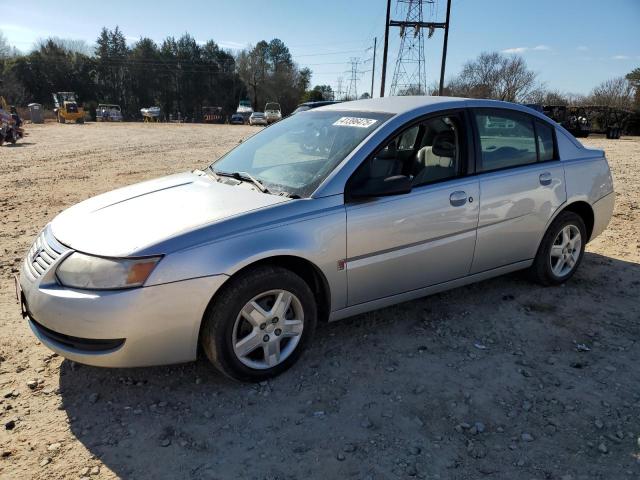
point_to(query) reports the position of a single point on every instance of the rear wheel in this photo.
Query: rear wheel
(560, 251)
(61, 119)
(259, 324)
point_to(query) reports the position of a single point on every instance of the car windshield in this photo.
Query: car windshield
(296, 154)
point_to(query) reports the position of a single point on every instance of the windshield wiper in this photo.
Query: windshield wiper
(244, 177)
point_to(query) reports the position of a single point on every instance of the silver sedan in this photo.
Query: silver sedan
(327, 214)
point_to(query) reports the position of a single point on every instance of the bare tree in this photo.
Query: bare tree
(5, 49)
(71, 45)
(497, 76)
(615, 92)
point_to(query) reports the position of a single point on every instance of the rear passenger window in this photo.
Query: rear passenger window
(544, 134)
(506, 140)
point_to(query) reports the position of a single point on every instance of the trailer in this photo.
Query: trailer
(612, 122)
(574, 118)
(212, 115)
(581, 120)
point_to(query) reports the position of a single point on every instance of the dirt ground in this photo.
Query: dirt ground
(487, 381)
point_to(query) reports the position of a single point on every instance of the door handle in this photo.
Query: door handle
(458, 198)
(545, 178)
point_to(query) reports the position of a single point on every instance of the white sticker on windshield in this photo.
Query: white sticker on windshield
(355, 122)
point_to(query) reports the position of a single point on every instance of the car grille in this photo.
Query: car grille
(43, 253)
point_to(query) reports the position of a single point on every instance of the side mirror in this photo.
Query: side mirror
(384, 187)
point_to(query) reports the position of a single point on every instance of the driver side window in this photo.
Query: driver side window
(427, 152)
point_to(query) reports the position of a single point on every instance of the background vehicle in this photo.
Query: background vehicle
(11, 129)
(612, 122)
(212, 115)
(108, 113)
(582, 120)
(258, 118)
(67, 108)
(237, 119)
(150, 114)
(272, 112)
(311, 105)
(245, 109)
(574, 119)
(402, 197)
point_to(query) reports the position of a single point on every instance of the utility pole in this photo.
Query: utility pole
(386, 49)
(373, 68)
(444, 48)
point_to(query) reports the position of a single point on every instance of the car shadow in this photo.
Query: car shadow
(19, 144)
(354, 385)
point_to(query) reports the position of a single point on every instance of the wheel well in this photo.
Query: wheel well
(586, 212)
(310, 273)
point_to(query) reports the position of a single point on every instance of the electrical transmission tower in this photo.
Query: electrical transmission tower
(410, 74)
(352, 91)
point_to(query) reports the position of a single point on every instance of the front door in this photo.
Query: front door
(405, 242)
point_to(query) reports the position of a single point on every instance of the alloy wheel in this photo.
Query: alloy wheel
(268, 329)
(565, 250)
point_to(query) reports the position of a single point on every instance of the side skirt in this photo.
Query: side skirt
(423, 292)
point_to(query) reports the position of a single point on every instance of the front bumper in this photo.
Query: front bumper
(138, 327)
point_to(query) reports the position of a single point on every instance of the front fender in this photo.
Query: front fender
(319, 237)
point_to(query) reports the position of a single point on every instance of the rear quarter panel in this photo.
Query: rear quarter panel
(588, 179)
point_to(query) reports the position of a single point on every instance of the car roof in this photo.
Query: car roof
(393, 105)
(319, 103)
(406, 104)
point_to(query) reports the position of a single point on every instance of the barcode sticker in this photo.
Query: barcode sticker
(355, 122)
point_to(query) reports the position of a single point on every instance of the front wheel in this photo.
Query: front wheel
(561, 250)
(259, 324)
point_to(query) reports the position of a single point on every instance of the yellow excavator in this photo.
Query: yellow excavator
(67, 108)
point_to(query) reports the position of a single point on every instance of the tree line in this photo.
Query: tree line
(178, 74)
(183, 75)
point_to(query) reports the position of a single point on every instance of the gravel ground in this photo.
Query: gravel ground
(501, 380)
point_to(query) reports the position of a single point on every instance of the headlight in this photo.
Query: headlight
(97, 273)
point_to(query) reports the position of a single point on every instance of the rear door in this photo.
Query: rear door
(521, 185)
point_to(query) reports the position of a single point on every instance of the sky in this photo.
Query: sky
(571, 44)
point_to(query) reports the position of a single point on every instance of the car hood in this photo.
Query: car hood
(125, 221)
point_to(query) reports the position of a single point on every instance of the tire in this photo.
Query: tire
(61, 119)
(548, 269)
(80, 121)
(225, 327)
